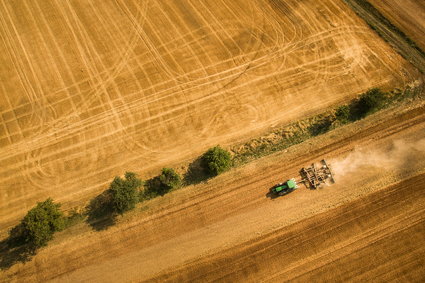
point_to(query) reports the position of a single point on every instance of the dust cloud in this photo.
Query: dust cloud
(399, 155)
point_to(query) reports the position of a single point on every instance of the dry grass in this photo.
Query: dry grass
(407, 15)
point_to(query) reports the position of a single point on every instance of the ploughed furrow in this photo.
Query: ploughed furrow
(379, 236)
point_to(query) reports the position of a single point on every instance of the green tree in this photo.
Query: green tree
(124, 192)
(39, 225)
(169, 179)
(216, 160)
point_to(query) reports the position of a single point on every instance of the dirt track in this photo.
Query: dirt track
(379, 237)
(91, 89)
(197, 223)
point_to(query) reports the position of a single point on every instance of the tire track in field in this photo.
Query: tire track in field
(93, 120)
(83, 161)
(29, 91)
(197, 70)
(32, 160)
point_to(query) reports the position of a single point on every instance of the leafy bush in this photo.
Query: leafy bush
(162, 184)
(216, 160)
(39, 225)
(368, 103)
(170, 179)
(152, 189)
(342, 114)
(124, 192)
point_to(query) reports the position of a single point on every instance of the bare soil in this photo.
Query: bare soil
(375, 238)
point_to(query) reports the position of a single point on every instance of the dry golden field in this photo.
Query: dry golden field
(408, 15)
(90, 89)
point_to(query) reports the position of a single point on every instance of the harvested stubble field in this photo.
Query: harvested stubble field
(91, 88)
(407, 15)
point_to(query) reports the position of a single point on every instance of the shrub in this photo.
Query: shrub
(170, 179)
(39, 225)
(216, 160)
(322, 126)
(151, 190)
(342, 114)
(124, 192)
(369, 102)
(162, 184)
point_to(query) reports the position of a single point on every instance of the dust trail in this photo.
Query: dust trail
(401, 154)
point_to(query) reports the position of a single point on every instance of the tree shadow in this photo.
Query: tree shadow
(100, 215)
(155, 188)
(195, 173)
(321, 127)
(11, 253)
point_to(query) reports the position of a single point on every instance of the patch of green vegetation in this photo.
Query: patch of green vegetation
(38, 226)
(168, 180)
(124, 192)
(342, 114)
(216, 161)
(122, 196)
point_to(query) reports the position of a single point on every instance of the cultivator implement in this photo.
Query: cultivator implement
(314, 176)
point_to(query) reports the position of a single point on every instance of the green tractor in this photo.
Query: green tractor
(285, 188)
(313, 177)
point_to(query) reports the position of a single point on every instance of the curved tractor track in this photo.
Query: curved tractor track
(91, 89)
